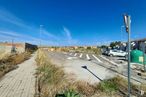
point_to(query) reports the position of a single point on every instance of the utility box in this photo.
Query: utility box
(137, 57)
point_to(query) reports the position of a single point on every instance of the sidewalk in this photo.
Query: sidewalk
(19, 82)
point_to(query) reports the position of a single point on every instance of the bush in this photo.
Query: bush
(108, 86)
(88, 48)
(85, 88)
(51, 79)
(71, 93)
(10, 62)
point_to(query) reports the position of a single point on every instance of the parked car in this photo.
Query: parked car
(105, 53)
(115, 52)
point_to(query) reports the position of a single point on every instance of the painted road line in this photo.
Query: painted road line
(75, 54)
(81, 55)
(87, 56)
(97, 59)
(70, 58)
(112, 62)
(65, 53)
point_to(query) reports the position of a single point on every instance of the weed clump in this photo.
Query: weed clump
(10, 62)
(108, 86)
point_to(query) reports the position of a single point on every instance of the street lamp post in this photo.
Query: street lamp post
(122, 38)
(41, 27)
(127, 21)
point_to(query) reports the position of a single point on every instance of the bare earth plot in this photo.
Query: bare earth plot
(19, 82)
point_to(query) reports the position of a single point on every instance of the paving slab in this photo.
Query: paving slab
(19, 82)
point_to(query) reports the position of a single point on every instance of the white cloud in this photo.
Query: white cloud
(8, 17)
(8, 36)
(49, 35)
(4, 37)
(67, 33)
(14, 35)
(69, 38)
(34, 32)
(11, 19)
(9, 33)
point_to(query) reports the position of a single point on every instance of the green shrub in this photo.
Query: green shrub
(88, 48)
(108, 86)
(71, 93)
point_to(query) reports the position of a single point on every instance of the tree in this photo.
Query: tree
(104, 46)
(114, 44)
(88, 48)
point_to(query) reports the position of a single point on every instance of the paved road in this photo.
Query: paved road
(73, 65)
(85, 56)
(99, 64)
(19, 82)
(115, 64)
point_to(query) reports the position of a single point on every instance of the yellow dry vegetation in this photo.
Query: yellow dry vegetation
(52, 80)
(10, 61)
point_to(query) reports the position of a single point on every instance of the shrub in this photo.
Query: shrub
(10, 62)
(71, 93)
(88, 48)
(108, 86)
(85, 88)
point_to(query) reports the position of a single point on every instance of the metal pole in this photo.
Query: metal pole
(144, 60)
(129, 47)
(41, 34)
(122, 33)
(144, 56)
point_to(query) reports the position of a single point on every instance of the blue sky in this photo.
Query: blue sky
(70, 22)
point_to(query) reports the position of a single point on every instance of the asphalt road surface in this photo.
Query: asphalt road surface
(73, 64)
(98, 67)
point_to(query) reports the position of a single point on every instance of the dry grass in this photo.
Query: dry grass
(52, 80)
(10, 62)
(85, 88)
(118, 85)
(96, 51)
(4, 55)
